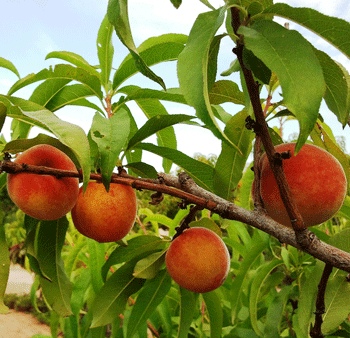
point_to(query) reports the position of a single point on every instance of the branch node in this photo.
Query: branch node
(157, 198)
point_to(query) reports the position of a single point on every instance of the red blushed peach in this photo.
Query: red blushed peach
(105, 216)
(317, 182)
(198, 260)
(44, 197)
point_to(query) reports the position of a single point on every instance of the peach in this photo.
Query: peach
(105, 216)
(317, 182)
(44, 197)
(198, 260)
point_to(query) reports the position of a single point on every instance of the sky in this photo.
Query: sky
(33, 28)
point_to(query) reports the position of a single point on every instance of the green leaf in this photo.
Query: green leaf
(236, 291)
(143, 169)
(192, 67)
(4, 266)
(49, 243)
(74, 59)
(155, 124)
(111, 300)
(135, 92)
(259, 278)
(96, 260)
(110, 136)
(337, 87)
(226, 91)
(165, 137)
(3, 111)
(213, 303)
(259, 69)
(202, 173)
(176, 3)
(154, 50)
(9, 65)
(105, 50)
(69, 134)
(275, 313)
(207, 223)
(136, 247)
(293, 60)
(147, 301)
(188, 301)
(72, 95)
(230, 164)
(336, 31)
(61, 71)
(148, 267)
(117, 12)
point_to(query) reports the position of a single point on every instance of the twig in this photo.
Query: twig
(315, 331)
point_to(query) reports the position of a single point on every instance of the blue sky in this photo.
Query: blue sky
(33, 28)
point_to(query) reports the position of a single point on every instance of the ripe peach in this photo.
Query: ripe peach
(105, 216)
(317, 182)
(198, 260)
(44, 197)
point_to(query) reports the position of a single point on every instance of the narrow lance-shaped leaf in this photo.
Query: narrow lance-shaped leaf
(9, 65)
(117, 12)
(216, 315)
(336, 31)
(105, 50)
(202, 173)
(154, 50)
(4, 266)
(192, 67)
(293, 60)
(110, 136)
(230, 164)
(49, 243)
(148, 300)
(155, 124)
(188, 301)
(226, 91)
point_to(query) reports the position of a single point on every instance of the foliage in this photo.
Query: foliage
(122, 289)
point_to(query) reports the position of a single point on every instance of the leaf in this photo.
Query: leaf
(207, 223)
(96, 260)
(69, 134)
(135, 92)
(237, 286)
(230, 164)
(110, 136)
(259, 278)
(201, 172)
(117, 12)
(49, 243)
(105, 50)
(4, 266)
(155, 124)
(154, 50)
(3, 111)
(61, 71)
(336, 31)
(337, 88)
(136, 247)
(143, 169)
(110, 301)
(165, 137)
(148, 267)
(275, 312)
(259, 69)
(9, 65)
(226, 91)
(147, 301)
(72, 95)
(176, 3)
(293, 60)
(213, 303)
(188, 301)
(74, 59)
(192, 67)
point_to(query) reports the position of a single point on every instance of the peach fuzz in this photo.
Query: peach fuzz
(317, 182)
(105, 216)
(44, 197)
(198, 260)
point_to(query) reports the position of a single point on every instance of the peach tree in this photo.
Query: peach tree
(282, 281)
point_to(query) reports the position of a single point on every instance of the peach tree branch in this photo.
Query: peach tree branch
(187, 190)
